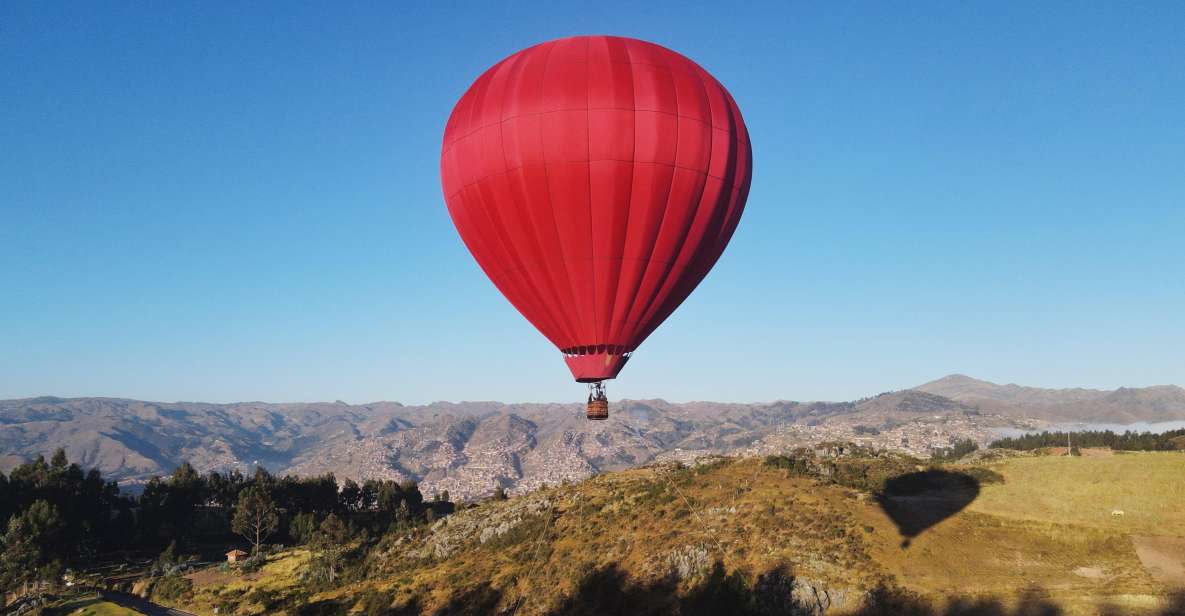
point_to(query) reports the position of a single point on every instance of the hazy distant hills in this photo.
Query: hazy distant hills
(1123, 405)
(466, 448)
(469, 447)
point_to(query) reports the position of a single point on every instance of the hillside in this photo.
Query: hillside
(742, 536)
(1123, 405)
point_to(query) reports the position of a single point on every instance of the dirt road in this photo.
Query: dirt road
(1164, 558)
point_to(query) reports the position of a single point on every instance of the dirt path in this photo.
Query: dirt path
(141, 605)
(1163, 557)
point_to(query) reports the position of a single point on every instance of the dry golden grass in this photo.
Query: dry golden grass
(281, 574)
(1148, 487)
(1041, 528)
(1049, 525)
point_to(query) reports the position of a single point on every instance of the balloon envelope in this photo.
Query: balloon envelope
(596, 180)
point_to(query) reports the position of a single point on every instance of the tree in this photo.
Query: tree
(403, 517)
(303, 527)
(263, 479)
(500, 493)
(411, 494)
(59, 462)
(20, 552)
(330, 544)
(350, 495)
(389, 495)
(30, 544)
(955, 452)
(186, 492)
(166, 561)
(368, 495)
(255, 517)
(6, 500)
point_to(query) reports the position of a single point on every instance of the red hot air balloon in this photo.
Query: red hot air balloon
(596, 180)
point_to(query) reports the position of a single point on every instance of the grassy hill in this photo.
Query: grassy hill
(746, 536)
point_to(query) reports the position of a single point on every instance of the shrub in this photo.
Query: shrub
(251, 565)
(171, 587)
(960, 449)
(376, 603)
(226, 605)
(302, 527)
(269, 599)
(797, 465)
(526, 532)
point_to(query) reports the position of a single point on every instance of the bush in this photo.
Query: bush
(251, 565)
(171, 587)
(302, 527)
(526, 532)
(960, 449)
(708, 467)
(376, 603)
(797, 465)
(269, 599)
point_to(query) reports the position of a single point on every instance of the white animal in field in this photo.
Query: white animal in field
(1117, 513)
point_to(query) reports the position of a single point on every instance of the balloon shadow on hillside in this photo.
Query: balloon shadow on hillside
(917, 501)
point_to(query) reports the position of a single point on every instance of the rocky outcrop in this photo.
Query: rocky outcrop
(689, 561)
(478, 526)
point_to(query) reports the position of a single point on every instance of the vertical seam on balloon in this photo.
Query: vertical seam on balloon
(483, 217)
(544, 308)
(620, 250)
(705, 243)
(467, 209)
(614, 330)
(551, 303)
(551, 205)
(735, 205)
(657, 234)
(463, 215)
(592, 265)
(652, 309)
(521, 279)
(713, 246)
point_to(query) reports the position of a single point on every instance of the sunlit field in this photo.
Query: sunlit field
(96, 607)
(1147, 487)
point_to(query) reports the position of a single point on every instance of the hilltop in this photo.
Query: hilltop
(1120, 406)
(842, 534)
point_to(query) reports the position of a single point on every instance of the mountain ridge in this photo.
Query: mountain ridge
(1121, 405)
(470, 448)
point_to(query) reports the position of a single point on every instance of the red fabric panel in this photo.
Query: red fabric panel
(596, 180)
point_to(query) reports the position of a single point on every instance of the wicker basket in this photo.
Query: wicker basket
(598, 409)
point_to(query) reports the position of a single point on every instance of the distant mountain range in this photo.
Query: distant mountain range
(1120, 406)
(467, 448)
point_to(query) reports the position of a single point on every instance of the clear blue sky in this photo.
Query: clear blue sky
(206, 201)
